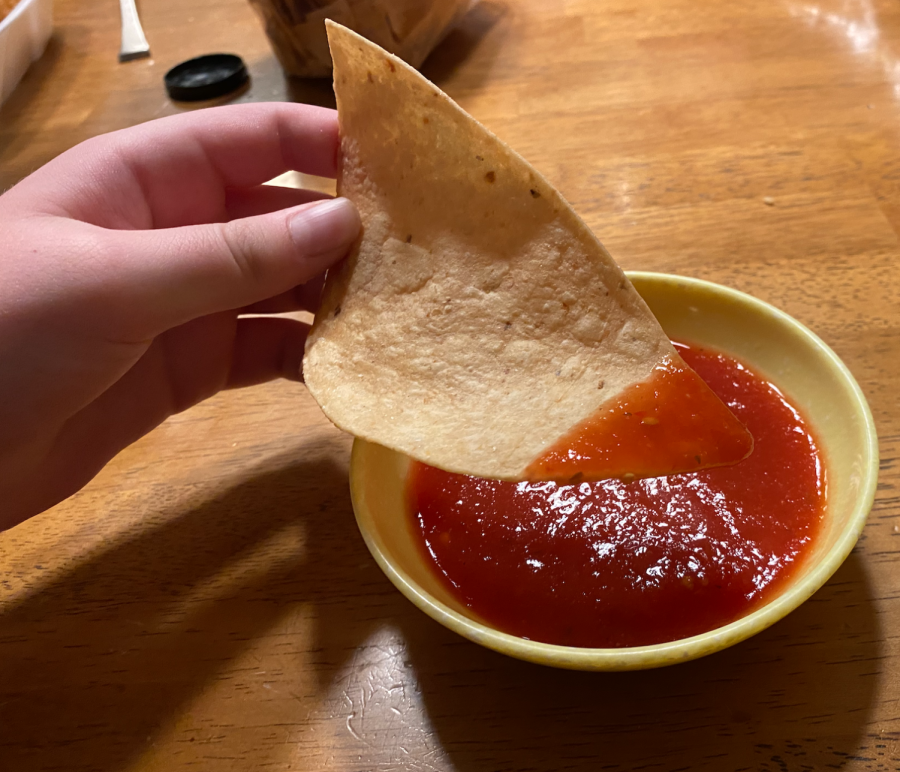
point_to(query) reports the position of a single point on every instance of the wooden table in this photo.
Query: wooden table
(207, 603)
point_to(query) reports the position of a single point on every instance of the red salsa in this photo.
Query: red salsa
(673, 422)
(615, 563)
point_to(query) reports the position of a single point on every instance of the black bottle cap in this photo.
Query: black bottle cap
(206, 77)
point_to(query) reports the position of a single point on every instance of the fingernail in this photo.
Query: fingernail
(325, 226)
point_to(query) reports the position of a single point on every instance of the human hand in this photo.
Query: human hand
(125, 266)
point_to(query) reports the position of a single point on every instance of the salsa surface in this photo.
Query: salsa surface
(610, 564)
(671, 423)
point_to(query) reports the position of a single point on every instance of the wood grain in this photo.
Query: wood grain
(206, 603)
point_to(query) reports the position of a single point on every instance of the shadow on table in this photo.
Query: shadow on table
(461, 43)
(796, 697)
(95, 663)
(43, 76)
(311, 91)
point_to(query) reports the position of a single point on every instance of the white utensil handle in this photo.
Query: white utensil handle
(133, 40)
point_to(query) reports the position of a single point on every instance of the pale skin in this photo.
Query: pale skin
(126, 266)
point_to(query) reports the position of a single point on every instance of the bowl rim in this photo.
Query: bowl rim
(682, 650)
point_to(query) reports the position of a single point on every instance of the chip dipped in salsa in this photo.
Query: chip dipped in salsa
(616, 563)
(672, 422)
(478, 323)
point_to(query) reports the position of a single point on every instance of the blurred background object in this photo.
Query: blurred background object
(408, 28)
(24, 31)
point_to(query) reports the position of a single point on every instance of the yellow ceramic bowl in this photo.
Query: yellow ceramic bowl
(779, 348)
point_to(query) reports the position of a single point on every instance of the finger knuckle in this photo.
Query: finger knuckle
(242, 251)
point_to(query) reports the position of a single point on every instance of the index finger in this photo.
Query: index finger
(176, 170)
(246, 144)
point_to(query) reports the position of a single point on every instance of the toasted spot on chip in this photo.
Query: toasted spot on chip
(490, 176)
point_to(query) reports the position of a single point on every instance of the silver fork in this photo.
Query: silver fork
(134, 44)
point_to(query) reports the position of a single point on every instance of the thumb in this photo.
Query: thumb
(169, 276)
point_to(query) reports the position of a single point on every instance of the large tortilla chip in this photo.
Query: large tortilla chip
(479, 321)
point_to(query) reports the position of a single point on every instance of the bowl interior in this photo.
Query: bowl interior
(692, 311)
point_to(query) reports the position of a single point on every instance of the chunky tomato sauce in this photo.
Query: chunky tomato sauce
(617, 563)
